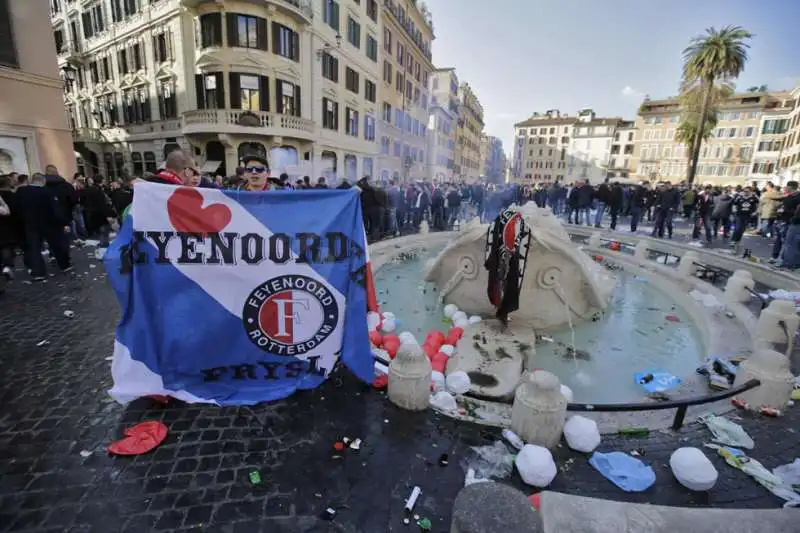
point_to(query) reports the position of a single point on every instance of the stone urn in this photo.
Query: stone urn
(539, 409)
(777, 326)
(772, 369)
(738, 287)
(410, 378)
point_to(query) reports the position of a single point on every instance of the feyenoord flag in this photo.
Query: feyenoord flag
(236, 298)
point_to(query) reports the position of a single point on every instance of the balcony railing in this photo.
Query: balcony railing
(153, 127)
(301, 8)
(71, 51)
(87, 135)
(197, 120)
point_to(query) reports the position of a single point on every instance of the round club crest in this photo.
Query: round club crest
(290, 315)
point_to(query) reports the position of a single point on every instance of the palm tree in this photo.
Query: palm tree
(719, 54)
(691, 100)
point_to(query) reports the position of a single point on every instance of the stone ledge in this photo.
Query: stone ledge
(493, 508)
(563, 513)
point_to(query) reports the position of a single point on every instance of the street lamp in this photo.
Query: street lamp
(68, 73)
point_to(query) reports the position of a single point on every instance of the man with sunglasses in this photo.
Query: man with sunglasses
(256, 173)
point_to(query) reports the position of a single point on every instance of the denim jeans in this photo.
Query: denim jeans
(790, 254)
(780, 238)
(663, 218)
(767, 226)
(636, 217)
(391, 220)
(598, 216)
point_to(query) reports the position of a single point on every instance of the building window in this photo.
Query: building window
(211, 30)
(93, 22)
(285, 42)
(246, 32)
(136, 106)
(150, 162)
(387, 72)
(387, 41)
(122, 61)
(249, 92)
(330, 67)
(351, 127)
(330, 14)
(167, 104)
(369, 128)
(372, 10)
(161, 47)
(387, 112)
(370, 91)
(330, 114)
(94, 73)
(210, 91)
(287, 98)
(138, 164)
(372, 48)
(107, 107)
(58, 37)
(351, 80)
(105, 69)
(353, 32)
(136, 56)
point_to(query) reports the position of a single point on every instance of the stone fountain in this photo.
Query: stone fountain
(561, 287)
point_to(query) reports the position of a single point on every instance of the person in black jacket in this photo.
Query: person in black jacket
(11, 228)
(615, 203)
(786, 210)
(43, 218)
(64, 191)
(704, 206)
(667, 202)
(638, 203)
(744, 206)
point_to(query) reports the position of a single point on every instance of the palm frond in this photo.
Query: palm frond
(716, 54)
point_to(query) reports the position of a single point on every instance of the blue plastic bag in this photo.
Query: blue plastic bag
(653, 382)
(624, 471)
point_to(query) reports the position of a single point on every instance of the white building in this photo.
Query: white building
(769, 145)
(294, 80)
(790, 158)
(590, 150)
(442, 124)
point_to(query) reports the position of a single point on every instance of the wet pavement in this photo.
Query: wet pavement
(56, 421)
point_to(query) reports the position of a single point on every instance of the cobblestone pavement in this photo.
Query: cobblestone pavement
(54, 407)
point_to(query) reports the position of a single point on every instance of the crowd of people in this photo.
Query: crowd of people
(48, 209)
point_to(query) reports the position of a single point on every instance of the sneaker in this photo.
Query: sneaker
(8, 273)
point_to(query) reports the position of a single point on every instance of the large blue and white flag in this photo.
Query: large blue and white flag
(235, 297)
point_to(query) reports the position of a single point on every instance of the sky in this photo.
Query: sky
(522, 56)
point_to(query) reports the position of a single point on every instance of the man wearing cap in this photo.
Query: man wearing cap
(256, 173)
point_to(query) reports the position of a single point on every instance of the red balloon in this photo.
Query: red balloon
(390, 337)
(429, 350)
(375, 338)
(391, 346)
(454, 335)
(140, 439)
(439, 362)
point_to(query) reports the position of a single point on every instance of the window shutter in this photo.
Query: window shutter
(232, 28)
(336, 116)
(220, 90)
(200, 91)
(168, 37)
(216, 24)
(297, 109)
(278, 96)
(155, 50)
(295, 41)
(263, 87)
(146, 109)
(276, 37)
(261, 29)
(236, 90)
(86, 20)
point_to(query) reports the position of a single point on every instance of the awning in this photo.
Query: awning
(210, 166)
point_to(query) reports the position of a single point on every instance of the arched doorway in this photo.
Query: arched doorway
(216, 152)
(282, 158)
(351, 168)
(328, 169)
(252, 148)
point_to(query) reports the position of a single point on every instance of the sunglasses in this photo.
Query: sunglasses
(255, 169)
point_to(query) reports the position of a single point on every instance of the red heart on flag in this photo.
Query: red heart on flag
(187, 214)
(140, 439)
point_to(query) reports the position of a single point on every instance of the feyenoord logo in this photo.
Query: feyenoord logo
(290, 315)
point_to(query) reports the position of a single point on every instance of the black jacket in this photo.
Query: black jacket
(40, 208)
(66, 194)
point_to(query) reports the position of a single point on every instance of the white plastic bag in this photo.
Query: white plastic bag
(567, 393)
(437, 380)
(789, 473)
(450, 310)
(692, 469)
(727, 432)
(475, 319)
(458, 382)
(461, 322)
(582, 434)
(444, 401)
(536, 465)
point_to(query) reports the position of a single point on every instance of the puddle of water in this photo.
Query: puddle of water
(633, 336)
